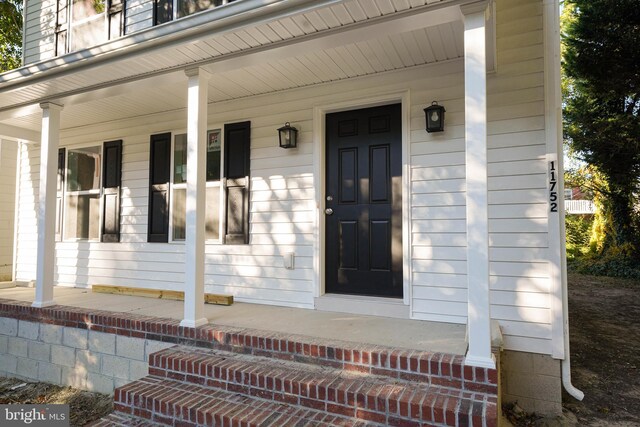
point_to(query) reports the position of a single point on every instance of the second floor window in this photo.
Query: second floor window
(85, 23)
(168, 10)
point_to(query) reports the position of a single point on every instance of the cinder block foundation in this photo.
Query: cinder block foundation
(533, 380)
(80, 358)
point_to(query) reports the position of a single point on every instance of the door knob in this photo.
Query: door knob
(328, 211)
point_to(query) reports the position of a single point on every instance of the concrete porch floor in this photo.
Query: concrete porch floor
(412, 334)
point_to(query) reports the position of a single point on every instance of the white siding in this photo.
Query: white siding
(283, 199)
(138, 15)
(517, 192)
(39, 30)
(8, 162)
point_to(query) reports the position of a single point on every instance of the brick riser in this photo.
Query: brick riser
(368, 398)
(174, 403)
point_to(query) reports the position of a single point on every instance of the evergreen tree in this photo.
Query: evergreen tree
(601, 62)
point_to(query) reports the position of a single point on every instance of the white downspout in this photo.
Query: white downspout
(566, 362)
(553, 100)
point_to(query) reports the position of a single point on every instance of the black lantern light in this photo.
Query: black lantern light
(288, 136)
(435, 117)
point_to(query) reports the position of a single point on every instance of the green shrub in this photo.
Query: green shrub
(586, 255)
(578, 229)
(614, 262)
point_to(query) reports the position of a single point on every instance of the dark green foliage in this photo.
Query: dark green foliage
(602, 102)
(612, 264)
(10, 34)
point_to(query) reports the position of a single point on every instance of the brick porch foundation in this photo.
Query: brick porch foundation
(218, 375)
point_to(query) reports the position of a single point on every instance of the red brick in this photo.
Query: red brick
(162, 419)
(468, 373)
(142, 413)
(446, 382)
(371, 416)
(451, 410)
(383, 359)
(438, 409)
(476, 413)
(456, 369)
(415, 404)
(312, 403)
(339, 409)
(491, 414)
(125, 409)
(434, 364)
(445, 365)
(397, 422)
(419, 378)
(322, 351)
(357, 368)
(426, 411)
(403, 402)
(493, 376)
(285, 398)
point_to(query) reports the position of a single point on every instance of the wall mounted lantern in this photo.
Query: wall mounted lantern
(288, 136)
(435, 117)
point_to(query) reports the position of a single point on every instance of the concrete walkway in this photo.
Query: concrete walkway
(413, 334)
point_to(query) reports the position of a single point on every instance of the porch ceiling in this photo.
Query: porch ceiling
(344, 40)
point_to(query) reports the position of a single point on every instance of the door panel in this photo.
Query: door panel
(364, 202)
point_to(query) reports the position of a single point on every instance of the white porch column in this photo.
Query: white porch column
(475, 105)
(196, 198)
(49, 142)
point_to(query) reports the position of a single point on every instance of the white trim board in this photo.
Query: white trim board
(319, 168)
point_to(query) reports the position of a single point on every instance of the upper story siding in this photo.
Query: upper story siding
(41, 19)
(138, 15)
(39, 29)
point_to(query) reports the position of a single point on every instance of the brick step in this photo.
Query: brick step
(117, 419)
(175, 403)
(369, 397)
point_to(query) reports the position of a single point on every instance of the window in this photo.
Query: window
(179, 186)
(87, 23)
(568, 193)
(88, 193)
(168, 10)
(227, 206)
(82, 198)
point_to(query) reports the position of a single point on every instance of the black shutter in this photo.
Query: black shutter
(236, 173)
(162, 11)
(111, 180)
(59, 193)
(159, 175)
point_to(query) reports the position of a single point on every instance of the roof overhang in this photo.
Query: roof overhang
(156, 57)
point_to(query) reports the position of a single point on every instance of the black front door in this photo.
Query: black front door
(364, 202)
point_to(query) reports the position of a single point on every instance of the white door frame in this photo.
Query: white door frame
(319, 168)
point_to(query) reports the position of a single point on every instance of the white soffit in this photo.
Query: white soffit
(266, 58)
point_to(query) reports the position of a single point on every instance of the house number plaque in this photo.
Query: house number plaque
(553, 183)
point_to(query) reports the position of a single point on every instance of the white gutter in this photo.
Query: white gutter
(557, 241)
